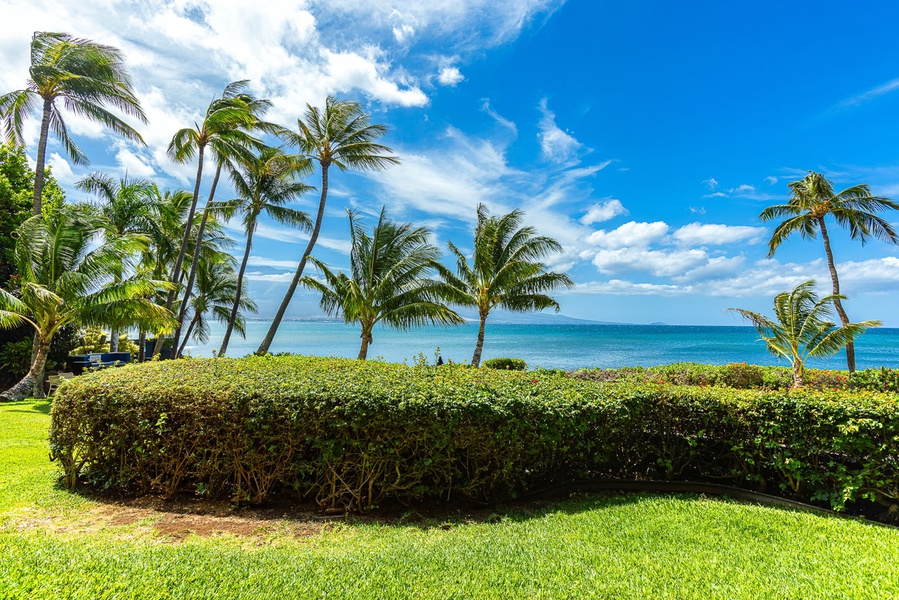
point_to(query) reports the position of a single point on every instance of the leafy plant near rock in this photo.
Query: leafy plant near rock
(352, 434)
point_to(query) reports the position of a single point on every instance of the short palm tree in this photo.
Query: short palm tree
(340, 135)
(802, 327)
(388, 281)
(506, 270)
(265, 183)
(128, 206)
(88, 77)
(64, 279)
(214, 297)
(813, 198)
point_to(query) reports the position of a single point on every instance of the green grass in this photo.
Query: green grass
(634, 546)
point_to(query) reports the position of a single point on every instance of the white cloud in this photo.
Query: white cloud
(603, 211)
(660, 263)
(487, 108)
(708, 234)
(450, 76)
(284, 277)
(711, 183)
(744, 188)
(61, 169)
(132, 164)
(715, 195)
(556, 145)
(771, 180)
(630, 235)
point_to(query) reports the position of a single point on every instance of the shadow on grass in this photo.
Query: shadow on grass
(30, 406)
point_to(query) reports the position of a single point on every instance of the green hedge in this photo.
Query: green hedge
(350, 433)
(506, 364)
(746, 376)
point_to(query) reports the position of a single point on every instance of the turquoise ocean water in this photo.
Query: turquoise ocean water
(565, 346)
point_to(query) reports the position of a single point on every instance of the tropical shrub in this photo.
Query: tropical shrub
(506, 364)
(352, 434)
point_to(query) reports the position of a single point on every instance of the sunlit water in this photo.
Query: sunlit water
(550, 346)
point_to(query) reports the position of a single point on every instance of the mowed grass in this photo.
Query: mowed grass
(634, 546)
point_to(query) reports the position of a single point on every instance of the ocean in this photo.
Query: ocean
(562, 346)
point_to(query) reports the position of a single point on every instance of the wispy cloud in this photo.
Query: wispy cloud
(557, 145)
(859, 99)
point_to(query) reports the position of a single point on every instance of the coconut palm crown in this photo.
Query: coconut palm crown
(812, 199)
(89, 78)
(802, 327)
(506, 270)
(388, 280)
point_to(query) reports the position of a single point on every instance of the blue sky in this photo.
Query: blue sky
(645, 136)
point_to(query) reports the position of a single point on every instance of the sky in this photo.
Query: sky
(646, 137)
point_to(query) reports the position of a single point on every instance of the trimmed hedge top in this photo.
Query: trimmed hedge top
(350, 433)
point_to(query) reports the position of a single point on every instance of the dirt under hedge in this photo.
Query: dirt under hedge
(351, 434)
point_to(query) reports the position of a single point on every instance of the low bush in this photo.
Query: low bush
(505, 364)
(744, 376)
(351, 434)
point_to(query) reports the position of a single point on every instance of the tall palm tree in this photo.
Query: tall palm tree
(88, 77)
(214, 296)
(388, 282)
(225, 125)
(265, 184)
(802, 327)
(128, 207)
(506, 270)
(63, 280)
(340, 135)
(811, 201)
(227, 149)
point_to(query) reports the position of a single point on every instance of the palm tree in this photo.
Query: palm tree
(506, 270)
(88, 77)
(227, 148)
(812, 199)
(128, 207)
(388, 282)
(340, 135)
(64, 281)
(224, 126)
(802, 327)
(265, 184)
(214, 295)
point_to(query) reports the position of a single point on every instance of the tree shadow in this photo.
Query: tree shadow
(30, 406)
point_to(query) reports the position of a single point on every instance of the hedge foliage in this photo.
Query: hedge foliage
(506, 364)
(746, 376)
(351, 434)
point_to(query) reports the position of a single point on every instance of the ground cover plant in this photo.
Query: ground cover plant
(352, 435)
(60, 544)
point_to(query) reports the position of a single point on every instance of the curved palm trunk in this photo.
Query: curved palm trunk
(276, 322)
(41, 153)
(479, 346)
(176, 270)
(844, 318)
(797, 375)
(190, 330)
(366, 341)
(32, 384)
(237, 293)
(196, 260)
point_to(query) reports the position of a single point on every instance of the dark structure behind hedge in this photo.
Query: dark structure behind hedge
(350, 433)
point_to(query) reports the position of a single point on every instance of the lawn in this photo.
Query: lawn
(58, 544)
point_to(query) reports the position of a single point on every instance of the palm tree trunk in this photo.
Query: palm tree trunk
(276, 322)
(32, 384)
(41, 156)
(797, 375)
(198, 246)
(844, 318)
(366, 340)
(479, 346)
(141, 342)
(237, 293)
(190, 330)
(176, 270)
(114, 339)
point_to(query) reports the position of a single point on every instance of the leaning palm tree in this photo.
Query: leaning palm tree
(802, 327)
(340, 135)
(88, 77)
(813, 198)
(227, 148)
(388, 282)
(128, 206)
(64, 280)
(264, 184)
(506, 272)
(225, 125)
